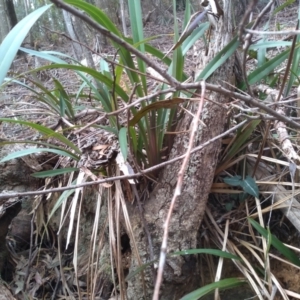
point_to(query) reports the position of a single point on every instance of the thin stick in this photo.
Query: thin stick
(177, 192)
(172, 81)
(136, 175)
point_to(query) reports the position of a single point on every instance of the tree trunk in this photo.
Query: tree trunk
(30, 34)
(123, 19)
(11, 13)
(180, 273)
(76, 31)
(76, 47)
(81, 36)
(4, 28)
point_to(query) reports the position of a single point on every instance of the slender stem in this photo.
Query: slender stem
(110, 179)
(177, 193)
(172, 81)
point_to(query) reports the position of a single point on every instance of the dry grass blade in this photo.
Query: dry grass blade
(80, 179)
(112, 237)
(252, 249)
(92, 274)
(257, 285)
(119, 263)
(253, 273)
(77, 242)
(221, 259)
(121, 198)
(272, 160)
(265, 246)
(293, 294)
(279, 194)
(94, 258)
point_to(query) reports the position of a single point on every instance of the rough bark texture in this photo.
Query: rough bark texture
(180, 272)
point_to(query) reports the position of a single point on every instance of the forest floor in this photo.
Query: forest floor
(17, 101)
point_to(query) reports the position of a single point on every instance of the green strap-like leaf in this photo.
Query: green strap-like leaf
(269, 44)
(282, 6)
(186, 252)
(104, 79)
(52, 173)
(190, 29)
(288, 253)
(268, 67)
(241, 138)
(195, 36)
(45, 131)
(64, 100)
(123, 142)
(219, 59)
(222, 284)
(215, 252)
(36, 143)
(295, 65)
(135, 12)
(46, 97)
(63, 197)
(96, 14)
(14, 39)
(101, 18)
(48, 55)
(25, 152)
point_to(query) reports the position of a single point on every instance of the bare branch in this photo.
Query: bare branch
(110, 179)
(248, 99)
(172, 81)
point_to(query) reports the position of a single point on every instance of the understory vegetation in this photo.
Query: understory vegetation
(98, 141)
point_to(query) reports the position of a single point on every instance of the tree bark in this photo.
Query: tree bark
(11, 13)
(4, 29)
(69, 26)
(123, 20)
(180, 273)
